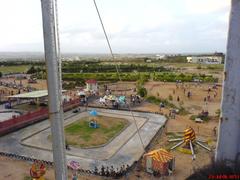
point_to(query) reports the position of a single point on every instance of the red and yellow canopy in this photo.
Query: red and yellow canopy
(160, 155)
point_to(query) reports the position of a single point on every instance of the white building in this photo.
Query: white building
(205, 59)
(92, 85)
(161, 57)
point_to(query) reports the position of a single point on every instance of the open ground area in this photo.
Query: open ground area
(195, 103)
(120, 90)
(116, 141)
(184, 163)
(35, 140)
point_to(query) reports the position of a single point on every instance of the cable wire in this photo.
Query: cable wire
(58, 47)
(110, 48)
(106, 36)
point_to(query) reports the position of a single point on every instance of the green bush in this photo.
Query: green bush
(183, 111)
(218, 112)
(154, 100)
(142, 91)
(204, 118)
(32, 70)
(199, 67)
(193, 117)
(215, 67)
(173, 77)
(141, 78)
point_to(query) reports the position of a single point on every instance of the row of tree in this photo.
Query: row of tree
(141, 78)
(97, 67)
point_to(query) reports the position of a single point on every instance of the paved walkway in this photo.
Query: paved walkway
(126, 148)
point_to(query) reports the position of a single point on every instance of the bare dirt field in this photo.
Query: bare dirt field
(184, 164)
(19, 170)
(194, 104)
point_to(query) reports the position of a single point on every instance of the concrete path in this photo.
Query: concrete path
(126, 148)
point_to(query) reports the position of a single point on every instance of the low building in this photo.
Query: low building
(92, 85)
(161, 57)
(205, 59)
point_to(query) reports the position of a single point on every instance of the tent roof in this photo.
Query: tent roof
(93, 112)
(160, 155)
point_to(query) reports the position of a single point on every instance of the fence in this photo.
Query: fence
(22, 121)
(102, 171)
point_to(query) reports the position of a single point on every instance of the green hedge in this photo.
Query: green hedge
(173, 77)
(141, 78)
(95, 67)
(106, 76)
(154, 100)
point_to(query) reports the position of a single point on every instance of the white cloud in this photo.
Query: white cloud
(133, 26)
(205, 6)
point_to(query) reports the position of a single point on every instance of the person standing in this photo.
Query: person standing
(74, 176)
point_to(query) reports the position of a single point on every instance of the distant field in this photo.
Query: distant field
(14, 69)
(181, 65)
(81, 135)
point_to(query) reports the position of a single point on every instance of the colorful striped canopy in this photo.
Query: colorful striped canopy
(160, 155)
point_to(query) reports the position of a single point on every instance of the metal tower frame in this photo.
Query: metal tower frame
(51, 49)
(228, 146)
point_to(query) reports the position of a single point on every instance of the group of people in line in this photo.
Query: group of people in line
(111, 171)
(106, 171)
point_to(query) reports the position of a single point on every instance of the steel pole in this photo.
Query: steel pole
(54, 92)
(228, 146)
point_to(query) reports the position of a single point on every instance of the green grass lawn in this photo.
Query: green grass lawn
(14, 69)
(79, 133)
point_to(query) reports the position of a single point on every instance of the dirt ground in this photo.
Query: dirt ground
(184, 163)
(195, 104)
(14, 169)
(19, 170)
(8, 91)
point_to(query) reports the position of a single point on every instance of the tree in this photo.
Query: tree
(142, 91)
(31, 70)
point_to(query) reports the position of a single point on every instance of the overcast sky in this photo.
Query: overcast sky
(134, 26)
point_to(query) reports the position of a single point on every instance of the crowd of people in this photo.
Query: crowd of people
(211, 91)
(111, 171)
(18, 86)
(135, 99)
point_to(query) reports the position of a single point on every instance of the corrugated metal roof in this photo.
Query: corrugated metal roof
(33, 94)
